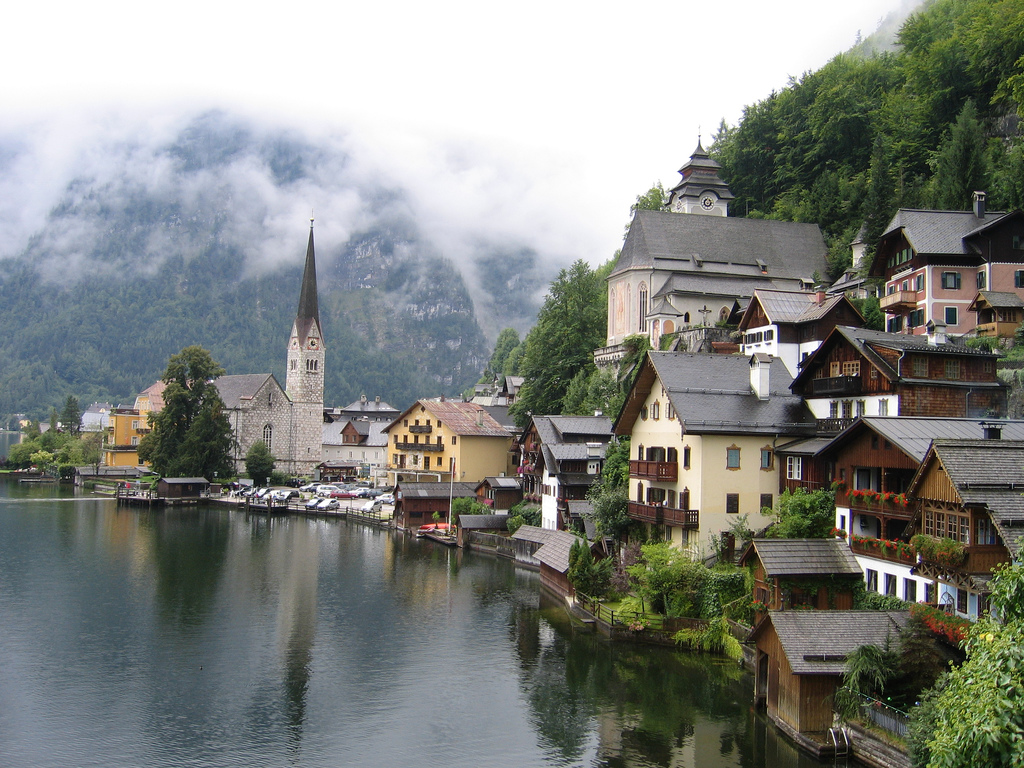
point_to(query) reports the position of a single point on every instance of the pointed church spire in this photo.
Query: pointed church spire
(309, 308)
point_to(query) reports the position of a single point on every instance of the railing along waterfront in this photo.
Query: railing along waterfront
(881, 714)
(634, 620)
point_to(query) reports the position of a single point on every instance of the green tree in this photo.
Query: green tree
(658, 574)
(259, 462)
(570, 326)
(71, 416)
(508, 340)
(589, 576)
(191, 435)
(803, 514)
(978, 715)
(959, 164)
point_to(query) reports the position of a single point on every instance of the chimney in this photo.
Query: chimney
(377, 399)
(979, 204)
(936, 333)
(991, 431)
(595, 450)
(819, 296)
(760, 363)
(599, 412)
(362, 399)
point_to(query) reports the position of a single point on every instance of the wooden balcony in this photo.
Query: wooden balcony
(421, 429)
(836, 385)
(833, 426)
(881, 552)
(876, 506)
(1002, 330)
(654, 470)
(900, 301)
(655, 513)
(982, 559)
(430, 447)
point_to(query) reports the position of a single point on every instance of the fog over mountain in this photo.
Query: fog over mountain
(124, 238)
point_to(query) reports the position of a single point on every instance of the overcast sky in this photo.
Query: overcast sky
(583, 105)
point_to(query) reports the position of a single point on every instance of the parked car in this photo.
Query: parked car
(284, 494)
(387, 498)
(373, 505)
(327, 504)
(370, 493)
(309, 487)
(345, 493)
(311, 504)
(326, 490)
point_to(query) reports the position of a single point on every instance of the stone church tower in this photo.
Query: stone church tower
(701, 190)
(304, 384)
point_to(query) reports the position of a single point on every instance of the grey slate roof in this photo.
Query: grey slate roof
(989, 473)
(938, 232)
(437, 490)
(806, 557)
(483, 522)
(235, 388)
(788, 249)
(711, 393)
(504, 482)
(913, 435)
(554, 553)
(532, 533)
(818, 642)
(794, 306)
(1000, 299)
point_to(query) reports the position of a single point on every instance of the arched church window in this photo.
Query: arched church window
(686, 317)
(723, 315)
(268, 436)
(312, 365)
(642, 308)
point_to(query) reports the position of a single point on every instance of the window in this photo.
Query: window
(861, 407)
(871, 580)
(655, 410)
(767, 502)
(910, 590)
(312, 365)
(951, 316)
(766, 458)
(670, 412)
(642, 305)
(951, 281)
(833, 409)
(732, 457)
(1018, 278)
(952, 369)
(686, 457)
(851, 368)
(883, 407)
(455, 439)
(135, 424)
(981, 281)
(894, 325)
(794, 467)
(919, 285)
(268, 437)
(919, 365)
(985, 533)
(929, 592)
(732, 503)
(847, 409)
(643, 413)
(135, 439)
(961, 601)
(915, 318)
(295, 365)
(890, 584)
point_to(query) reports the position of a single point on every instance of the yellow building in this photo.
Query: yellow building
(127, 426)
(425, 441)
(703, 432)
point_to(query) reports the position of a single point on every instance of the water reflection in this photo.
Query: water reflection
(205, 637)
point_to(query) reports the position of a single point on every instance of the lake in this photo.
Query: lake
(208, 638)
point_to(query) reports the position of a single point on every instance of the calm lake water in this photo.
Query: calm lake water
(206, 638)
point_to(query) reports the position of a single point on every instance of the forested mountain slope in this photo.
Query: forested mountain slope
(199, 237)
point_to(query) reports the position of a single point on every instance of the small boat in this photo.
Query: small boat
(441, 529)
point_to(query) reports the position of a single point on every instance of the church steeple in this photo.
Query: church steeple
(309, 307)
(305, 376)
(701, 190)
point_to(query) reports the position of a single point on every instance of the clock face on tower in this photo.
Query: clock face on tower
(313, 344)
(707, 202)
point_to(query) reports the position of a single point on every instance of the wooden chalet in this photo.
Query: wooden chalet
(549, 550)
(500, 492)
(802, 573)
(800, 658)
(859, 372)
(999, 313)
(182, 487)
(416, 503)
(496, 525)
(970, 492)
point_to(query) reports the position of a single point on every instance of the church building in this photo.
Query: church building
(693, 264)
(288, 420)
